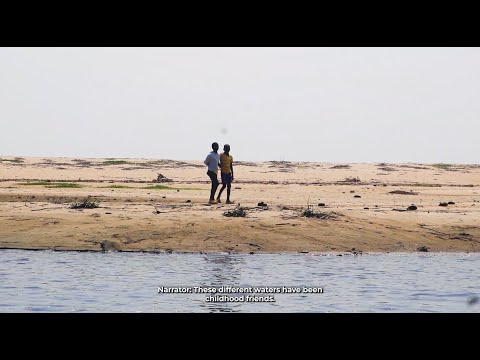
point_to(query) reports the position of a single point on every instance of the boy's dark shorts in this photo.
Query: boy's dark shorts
(226, 178)
(213, 177)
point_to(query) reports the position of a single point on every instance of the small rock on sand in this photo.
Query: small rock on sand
(451, 203)
(262, 204)
(412, 207)
(109, 245)
(443, 204)
(422, 249)
(357, 196)
(321, 204)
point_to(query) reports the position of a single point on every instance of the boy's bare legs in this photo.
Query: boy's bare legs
(215, 184)
(229, 187)
(220, 193)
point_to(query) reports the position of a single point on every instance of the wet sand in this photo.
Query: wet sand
(135, 218)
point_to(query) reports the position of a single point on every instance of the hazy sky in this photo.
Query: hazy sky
(310, 104)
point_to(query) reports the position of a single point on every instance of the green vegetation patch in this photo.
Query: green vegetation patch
(53, 184)
(159, 187)
(64, 185)
(115, 162)
(443, 166)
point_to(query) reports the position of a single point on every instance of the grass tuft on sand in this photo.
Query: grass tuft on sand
(312, 213)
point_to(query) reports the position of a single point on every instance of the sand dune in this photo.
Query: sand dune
(132, 217)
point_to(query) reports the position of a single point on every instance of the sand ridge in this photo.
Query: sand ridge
(367, 204)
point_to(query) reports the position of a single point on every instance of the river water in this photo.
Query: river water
(49, 281)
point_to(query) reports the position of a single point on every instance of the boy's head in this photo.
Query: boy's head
(226, 148)
(215, 146)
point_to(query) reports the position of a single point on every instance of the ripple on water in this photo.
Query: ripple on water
(47, 281)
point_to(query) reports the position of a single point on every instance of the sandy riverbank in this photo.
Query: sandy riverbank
(133, 217)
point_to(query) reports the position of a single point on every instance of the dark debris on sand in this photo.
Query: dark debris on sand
(311, 213)
(162, 179)
(402, 192)
(237, 212)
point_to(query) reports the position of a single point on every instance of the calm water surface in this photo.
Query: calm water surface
(46, 281)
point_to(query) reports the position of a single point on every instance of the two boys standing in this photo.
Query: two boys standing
(225, 162)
